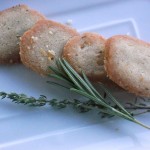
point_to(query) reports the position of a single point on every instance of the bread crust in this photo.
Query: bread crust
(129, 77)
(36, 31)
(12, 54)
(91, 62)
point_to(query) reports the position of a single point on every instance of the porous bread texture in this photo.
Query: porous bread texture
(127, 63)
(13, 23)
(42, 45)
(86, 53)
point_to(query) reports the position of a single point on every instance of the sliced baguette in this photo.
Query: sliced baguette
(85, 53)
(13, 23)
(127, 63)
(42, 45)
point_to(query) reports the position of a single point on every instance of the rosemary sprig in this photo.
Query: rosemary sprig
(80, 85)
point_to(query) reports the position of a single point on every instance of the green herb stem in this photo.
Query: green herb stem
(82, 86)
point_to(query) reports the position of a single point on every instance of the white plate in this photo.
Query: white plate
(23, 127)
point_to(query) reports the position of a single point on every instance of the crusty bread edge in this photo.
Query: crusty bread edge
(14, 57)
(24, 6)
(109, 70)
(30, 32)
(95, 78)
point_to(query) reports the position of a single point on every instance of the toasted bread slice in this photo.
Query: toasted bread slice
(85, 53)
(13, 23)
(42, 45)
(127, 63)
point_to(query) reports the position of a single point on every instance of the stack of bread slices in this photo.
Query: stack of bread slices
(28, 36)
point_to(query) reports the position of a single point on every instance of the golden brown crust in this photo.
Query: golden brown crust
(10, 58)
(110, 64)
(32, 11)
(26, 41)
(74, 47)
(13, 56)
(68, 48)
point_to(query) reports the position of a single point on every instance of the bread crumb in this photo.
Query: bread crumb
(43, 52)
(51, 52)
(50, 58)
(50, 55)
(34, 38)
(69, 22)
(50, 32)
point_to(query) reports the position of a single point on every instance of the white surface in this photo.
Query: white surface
(23, 127)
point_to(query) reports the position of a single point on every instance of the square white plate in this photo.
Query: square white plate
(23, 127)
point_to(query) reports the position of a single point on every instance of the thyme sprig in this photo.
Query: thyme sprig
(78, 84)
(43, 100)
(59, 104)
